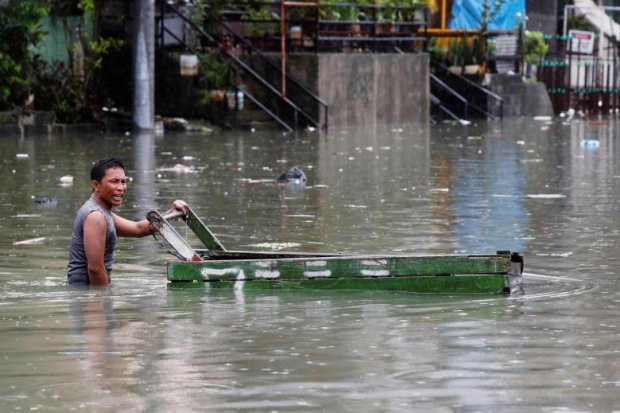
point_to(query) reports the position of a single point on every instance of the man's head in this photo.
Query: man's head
(97, 172)
(109, 182)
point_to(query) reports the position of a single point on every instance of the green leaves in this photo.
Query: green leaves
(19, 30)
(535, 47)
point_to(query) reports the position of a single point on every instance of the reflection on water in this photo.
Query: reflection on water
(141, 345)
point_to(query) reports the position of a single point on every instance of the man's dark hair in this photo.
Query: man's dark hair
(97, 172)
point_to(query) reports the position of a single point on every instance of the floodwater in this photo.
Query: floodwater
(547, 189)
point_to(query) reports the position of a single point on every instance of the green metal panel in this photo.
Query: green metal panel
(465, 284)
(336, 267)
(202, 232)
(219, 268)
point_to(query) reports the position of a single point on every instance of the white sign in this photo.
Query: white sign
(580, 42)
(189, 65)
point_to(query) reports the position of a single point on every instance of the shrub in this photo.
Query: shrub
(19, 30)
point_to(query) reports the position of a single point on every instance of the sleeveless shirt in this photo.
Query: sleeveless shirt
(77, 269)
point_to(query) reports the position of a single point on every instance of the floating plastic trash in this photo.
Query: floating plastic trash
(22, 156)
(66, 180)
(31, 241)
(590, 143)
(546, 196)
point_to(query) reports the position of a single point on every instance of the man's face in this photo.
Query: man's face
(111, 189)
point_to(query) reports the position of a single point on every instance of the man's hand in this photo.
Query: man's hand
(127, 228)
(179, 205)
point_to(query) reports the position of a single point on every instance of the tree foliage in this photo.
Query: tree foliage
(19, 31)
(72, 89)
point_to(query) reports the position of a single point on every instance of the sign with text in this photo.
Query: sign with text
(581, 42)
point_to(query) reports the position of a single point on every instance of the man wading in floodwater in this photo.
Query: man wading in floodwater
(95, 229)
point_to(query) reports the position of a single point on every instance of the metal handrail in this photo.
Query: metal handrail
(478, 88)
(438, 82)
(275, 66)
(469, 82)
(247, 69)
(265, 109)
(270, 87)
(437, 102)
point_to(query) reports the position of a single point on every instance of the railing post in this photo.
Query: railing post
(374, 25)
(317, 26)
(283, 46)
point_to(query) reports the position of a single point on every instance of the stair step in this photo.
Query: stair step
(246, 116)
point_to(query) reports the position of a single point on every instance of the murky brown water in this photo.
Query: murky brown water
(140, 346)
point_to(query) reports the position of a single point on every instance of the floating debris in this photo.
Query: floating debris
(178, 168)
(568, 115)
(545, 196)
(590, 143)
(542, 118)
(22, 156)
(66, 180)
(31, 241)
(45, 200)
(275, 245)
(555, 254)
(256, 181)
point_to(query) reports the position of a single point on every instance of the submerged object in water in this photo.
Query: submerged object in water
(293, 175)
(45, 200)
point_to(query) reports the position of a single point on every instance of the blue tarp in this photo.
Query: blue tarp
(467, 14)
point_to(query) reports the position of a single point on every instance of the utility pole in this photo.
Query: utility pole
(144, 64)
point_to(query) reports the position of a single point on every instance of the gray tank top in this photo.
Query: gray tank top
(77, 269)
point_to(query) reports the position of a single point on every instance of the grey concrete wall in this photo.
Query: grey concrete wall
(542, 15)
(521, 98)
(367, 89)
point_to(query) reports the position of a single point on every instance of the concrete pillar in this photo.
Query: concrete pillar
(144, 64)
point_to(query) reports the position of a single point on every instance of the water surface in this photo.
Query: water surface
(140, 345)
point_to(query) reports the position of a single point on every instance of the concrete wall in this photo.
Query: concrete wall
(366, 89)
(521, 98)
(542, 15)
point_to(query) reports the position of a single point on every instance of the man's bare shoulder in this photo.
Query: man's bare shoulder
(96, 220)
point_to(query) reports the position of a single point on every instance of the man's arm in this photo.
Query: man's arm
(128, 228)
(95, 229)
